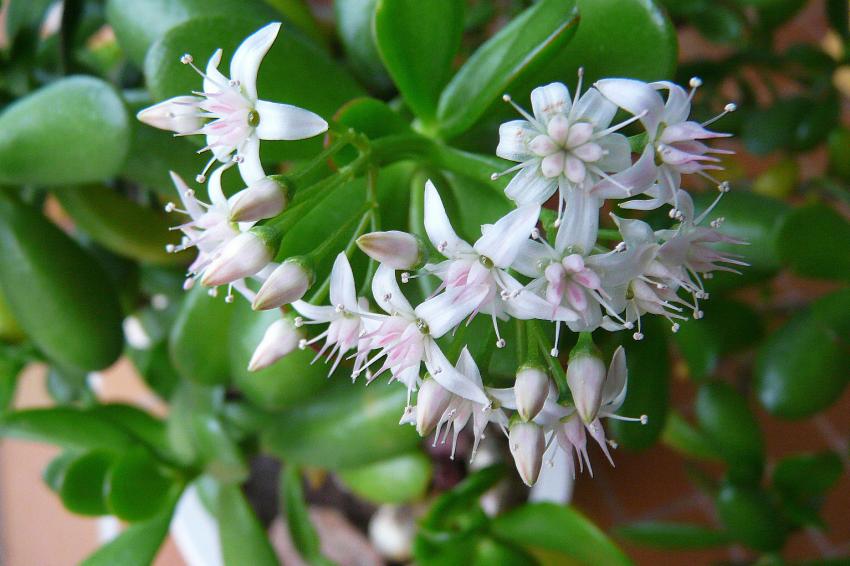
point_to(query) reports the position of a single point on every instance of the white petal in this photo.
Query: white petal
(447, 376)
(466, 365)
(178, 114)
(678, 104)
(386, 293)
(248, 56)
(214, 81)
(287, 122)
(617, 153)
(214, 190)
(548, 100)
(530, 257)
(445, 311)
(504, 395)
(315, 312)
(250, 167)
(614, 390)
(633, 181)
(342, 289)
(530, 186)
(635, 97)
(594, 108)
(503, 241)
(514, 137)
(580, 224)
(437, 224)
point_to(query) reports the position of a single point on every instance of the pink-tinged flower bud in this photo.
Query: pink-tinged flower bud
(281, 338)
(286, 284)
(585, 377)
(431, 402)
(395, 249)
(179, 114)
(530, 389)
(527, 446)
(243, 256)
(263, 198)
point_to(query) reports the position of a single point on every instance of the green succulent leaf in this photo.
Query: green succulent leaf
(354, 26)
(801, 367)
(528, 42)
(83, 487)
(672, 535)
(816, 223)
(539, 529)
(301, 529)
(243, 539)
(77, 125)
(75, 321)
(66, 427)
(405, 30)
(136, 546)
(137, 487)
(203, 321)
(751, 517)
(396, 480)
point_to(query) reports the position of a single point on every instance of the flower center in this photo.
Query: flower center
(486, 261)
(253, 118)
(422, 326)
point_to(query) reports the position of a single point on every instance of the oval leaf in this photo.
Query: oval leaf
(58, 293)
(802, 239)
(83, 487)
(802, 367)
(529, 41)
(66, 427)
(750, 517)
(137, 488)
(398, 480)
(243, 540)
(417, 41)
(119, 224)
(136, 546)
(542, 527)
(672, 535)
(350, 425)
(199, 338)
(77, 125)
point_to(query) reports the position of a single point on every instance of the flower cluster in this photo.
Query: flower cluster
(568, 147)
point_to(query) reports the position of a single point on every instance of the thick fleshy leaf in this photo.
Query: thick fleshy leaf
(137, 489)
(727, 326)
(77, 124)
(136, 546)
(294, 71)
(199, 338)
(672, 535)
(350, 425)
(754, 219)
(354, 27)
(807, 474)
(539, 528)
(528, 42)
(119, 224)
(728, 422)
(138, 25)
(407, 30)
(683, 437)
(58, 293)
(301, 530)
(243, 539)
(617, 38)
(750, 517)
(802, 367)
(83, 486)
(797, 242)
(287, 382)
(66, 427)
(397, 480)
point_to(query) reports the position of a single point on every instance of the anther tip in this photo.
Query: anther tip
(644, 419)
(506, 97)
(494, 176)
(695, 82)
(731, 107)
(186, 58)
(201, 179)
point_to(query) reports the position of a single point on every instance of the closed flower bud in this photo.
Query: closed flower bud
(179, 114)
(527, 446)
(244, 255)
(263, 198)
(431, 402)
(281, 338)
(531, 389)
(395, 249)
(286, 284)
(585, 377)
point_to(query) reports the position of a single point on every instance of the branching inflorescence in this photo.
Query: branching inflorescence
(566, 146)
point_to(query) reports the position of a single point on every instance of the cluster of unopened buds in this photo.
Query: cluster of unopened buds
(568, 147)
